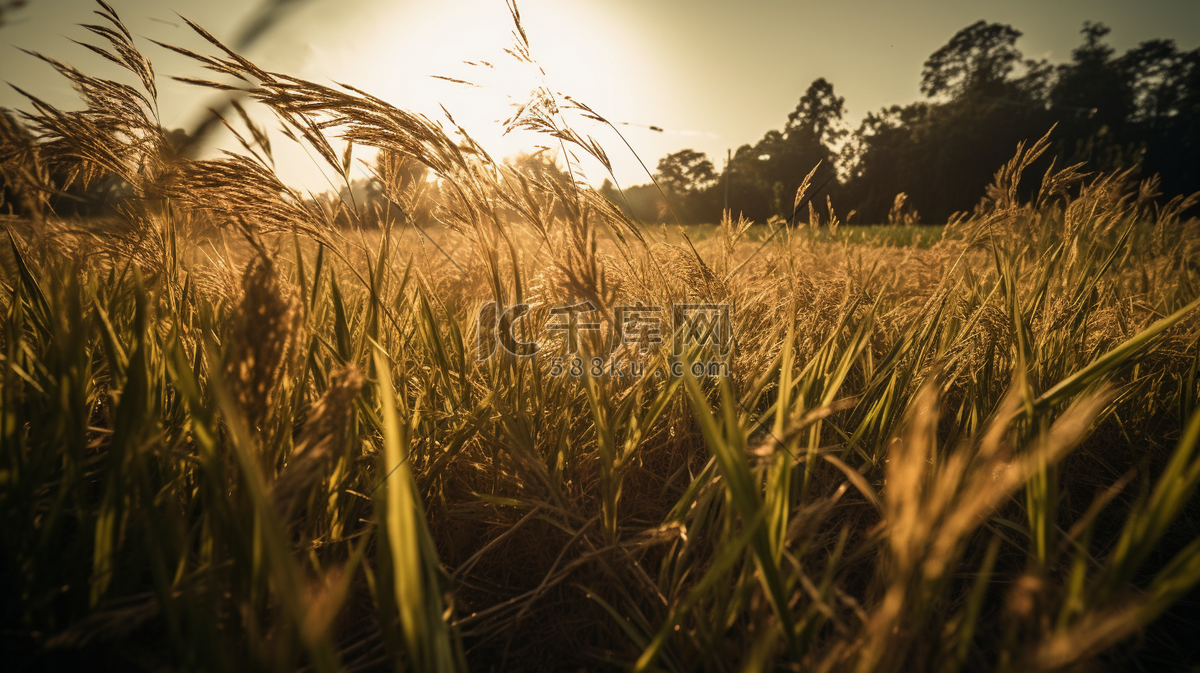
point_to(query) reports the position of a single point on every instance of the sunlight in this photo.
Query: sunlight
(412, 54)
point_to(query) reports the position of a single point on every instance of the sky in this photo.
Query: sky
(713, 75)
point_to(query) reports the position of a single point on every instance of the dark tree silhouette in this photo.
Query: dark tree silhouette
(1165, 118)
(819, 113)
(978, 58)
(1140, 109)
(764, 177)
(1093, 99)
(685, 172)
(1092, 85)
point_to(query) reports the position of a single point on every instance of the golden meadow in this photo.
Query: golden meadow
(239, 432)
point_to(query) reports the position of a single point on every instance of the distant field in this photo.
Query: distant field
(917, 236)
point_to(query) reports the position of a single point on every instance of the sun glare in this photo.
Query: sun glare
(451, 58)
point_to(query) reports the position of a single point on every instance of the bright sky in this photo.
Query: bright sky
(713, 75)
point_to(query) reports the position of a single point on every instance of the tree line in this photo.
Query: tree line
(920, 162)
(929, 159)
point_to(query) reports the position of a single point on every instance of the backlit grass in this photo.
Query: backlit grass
(234, 435)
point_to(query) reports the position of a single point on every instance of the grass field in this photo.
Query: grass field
(234, 436)
(876, 235)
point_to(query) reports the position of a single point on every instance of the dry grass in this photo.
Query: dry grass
(284, 453)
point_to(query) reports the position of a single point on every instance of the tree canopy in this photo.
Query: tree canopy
(1138, 110)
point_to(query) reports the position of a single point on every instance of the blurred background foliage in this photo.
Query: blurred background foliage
(1140, 109)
